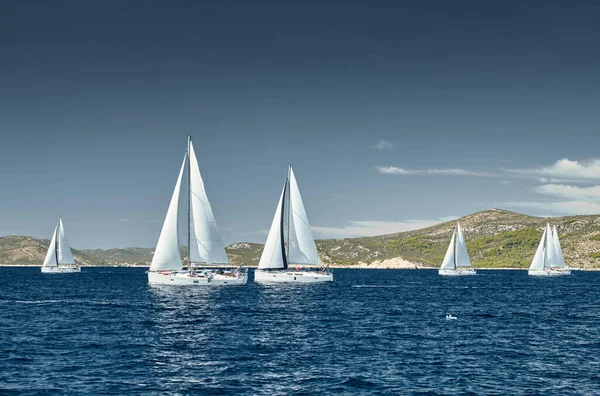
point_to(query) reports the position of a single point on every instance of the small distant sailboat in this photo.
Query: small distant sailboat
(59, 259)
(205, 247)
(456, 262)
(290, 243)
(549, 259)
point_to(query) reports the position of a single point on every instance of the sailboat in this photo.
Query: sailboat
(59, 259)
(204, 245)
(549, 259)
(290, 243)
(456, 262)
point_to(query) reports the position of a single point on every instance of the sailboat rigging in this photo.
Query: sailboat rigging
(204, 244)
(456, 261)
(549, 259)
(291, 243)
(59, 258)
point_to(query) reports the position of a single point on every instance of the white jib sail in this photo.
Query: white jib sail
(301, 244)
(50, 260)
(551, 256)
(65, 256)
(206, 245)
(167, 255)
(538, 260)
(560, 259)
(273, 255)
(448, 262)
(462, 257)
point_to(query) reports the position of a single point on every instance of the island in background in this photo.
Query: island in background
(495, 239)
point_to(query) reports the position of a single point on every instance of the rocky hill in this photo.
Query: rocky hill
(23, 250)
(495, 238)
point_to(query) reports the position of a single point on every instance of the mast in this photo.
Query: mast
(283, 252)
(189, 208)
(545, 250)
(455, 244)
(56, 236)
(289, 208)
(548, 246)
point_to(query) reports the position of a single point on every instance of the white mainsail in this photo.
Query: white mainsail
(539, 259)
(551, 254)
(560, 259)
(462, 256)
(65, 256)
(206, 245)
(273, 255)
(448, 262)
(301, 243)
(167, 255)
(50, 260)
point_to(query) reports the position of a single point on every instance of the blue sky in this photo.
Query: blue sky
(395, 115)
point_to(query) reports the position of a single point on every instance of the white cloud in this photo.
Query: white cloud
(565, 168)
(576, 207)
(505, 182)
(383, 144)
(561, 171)
(373, 228)
(393, 170)
(565, 199)
(570, 192)
(123, 220)
(448, 218)
(560, 207)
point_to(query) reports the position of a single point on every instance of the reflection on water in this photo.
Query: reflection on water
(108, 331)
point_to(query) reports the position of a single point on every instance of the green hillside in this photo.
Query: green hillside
(495, 238)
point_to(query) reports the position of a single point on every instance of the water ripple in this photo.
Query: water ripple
(375, 332)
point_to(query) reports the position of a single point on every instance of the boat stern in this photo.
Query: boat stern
(261, 276)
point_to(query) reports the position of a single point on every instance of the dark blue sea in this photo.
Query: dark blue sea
(105, 331)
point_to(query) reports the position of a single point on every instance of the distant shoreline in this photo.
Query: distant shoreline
(368, 267)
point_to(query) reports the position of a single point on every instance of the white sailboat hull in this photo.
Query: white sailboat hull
(550, 272)
(61, 269)
(286, 276)
(200, 279)
(457, 272)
